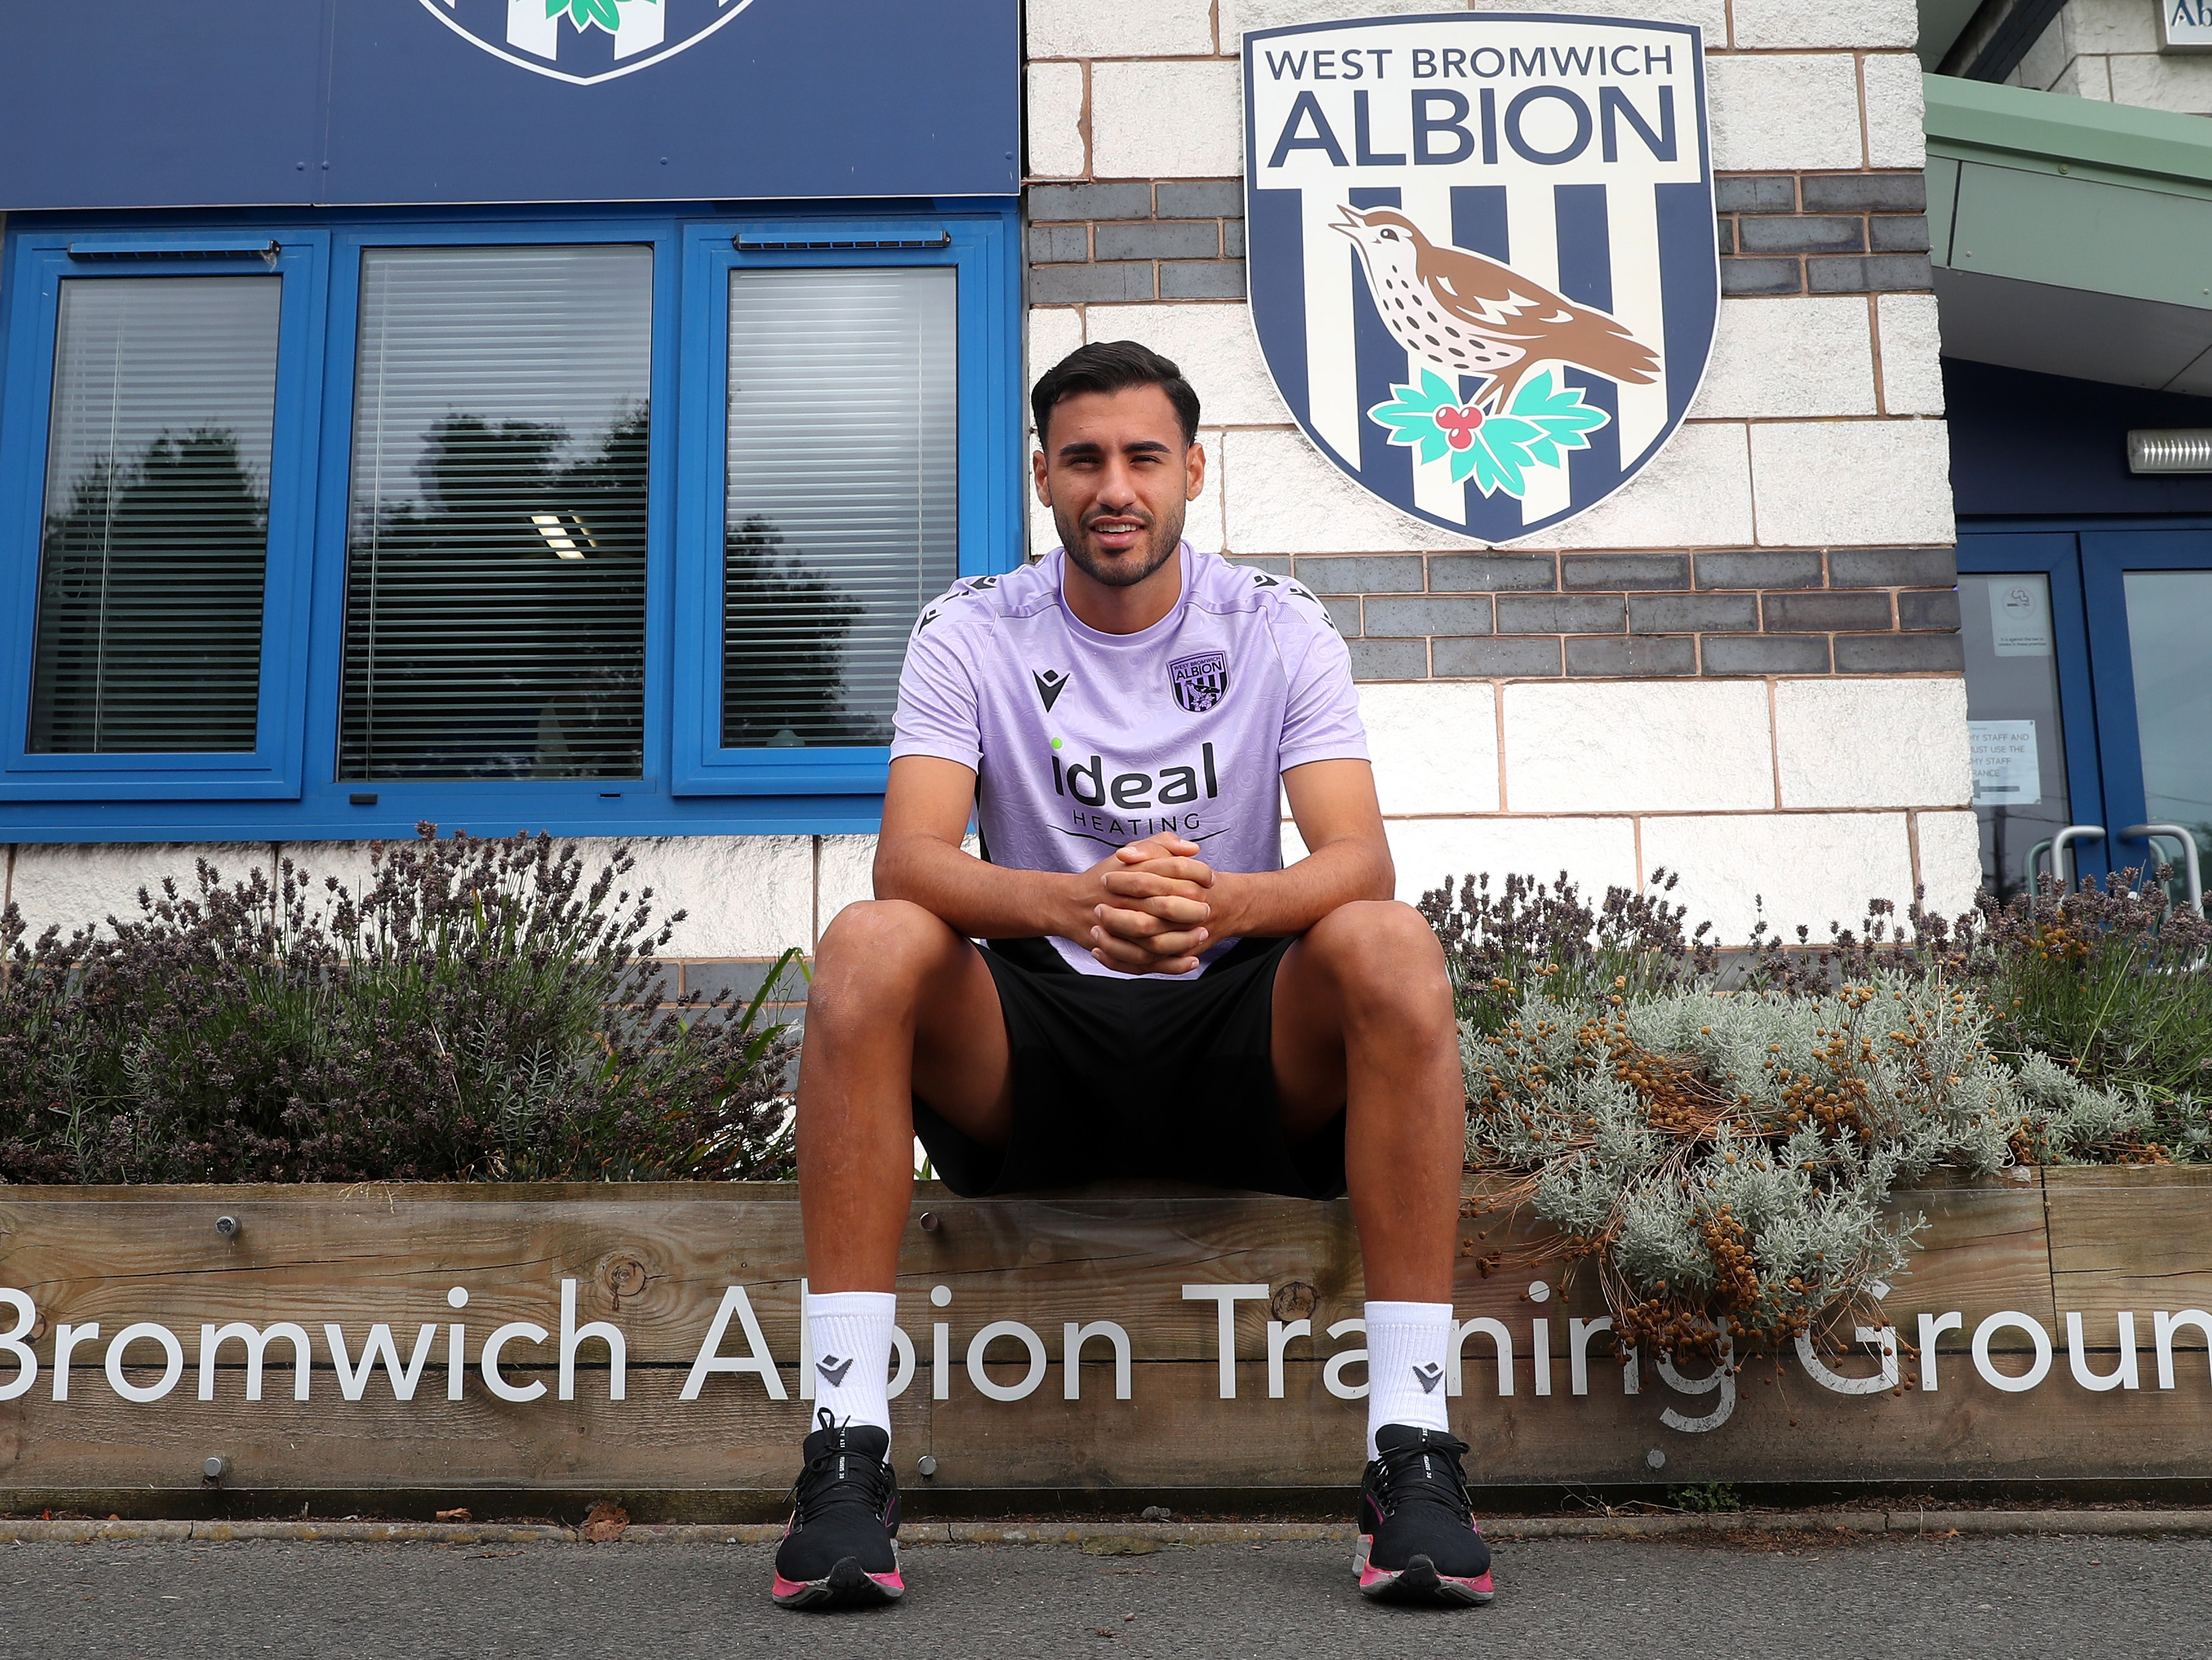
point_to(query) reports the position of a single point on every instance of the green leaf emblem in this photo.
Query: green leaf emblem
(1497, 451)
(607, 13)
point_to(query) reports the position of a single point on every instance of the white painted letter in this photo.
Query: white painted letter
(1722, 1378)
(65, 1341)
(1933, 1325)
(901, 1364)
(26, 1316)
(761, 1363)
(493, 1344)
(1542, 1354)
(1493, 1329)
(1073, 1337)
(257, 1341)
(1280, 1334)
(1885, 1379)
(1029, 1340)
(573, 1337)
(2123, 1376)
(2163, 1328)
(172, 1369)
(1997, 1380)
(353, 1384)
(1332, 1375)
(1225, 1298)
(1579, 1333)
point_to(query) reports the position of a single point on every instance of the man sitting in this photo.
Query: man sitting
(1156, 995)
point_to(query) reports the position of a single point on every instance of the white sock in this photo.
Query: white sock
(1408, 1347)
(849, 1335)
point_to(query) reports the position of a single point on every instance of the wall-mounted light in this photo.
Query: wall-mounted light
(562, 532)
(2171, 449)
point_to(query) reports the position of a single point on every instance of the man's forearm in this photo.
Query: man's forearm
(984, 901)
(1274, 904)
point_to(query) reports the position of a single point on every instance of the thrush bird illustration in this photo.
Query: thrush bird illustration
(1464, 314)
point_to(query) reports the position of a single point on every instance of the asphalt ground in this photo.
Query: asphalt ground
(1868, 1597)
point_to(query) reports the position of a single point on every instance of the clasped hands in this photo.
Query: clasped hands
(1149, 907)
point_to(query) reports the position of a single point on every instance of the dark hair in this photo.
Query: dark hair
(1113, 366)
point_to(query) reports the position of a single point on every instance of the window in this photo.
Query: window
(614, 525)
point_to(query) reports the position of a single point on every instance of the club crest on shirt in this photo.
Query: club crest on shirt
(1198, 683)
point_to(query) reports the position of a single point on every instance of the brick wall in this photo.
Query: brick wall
(1742, 666)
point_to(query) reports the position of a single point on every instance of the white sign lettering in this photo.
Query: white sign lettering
(2006, 773)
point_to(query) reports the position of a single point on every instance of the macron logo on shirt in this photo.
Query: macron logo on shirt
(1050, 683)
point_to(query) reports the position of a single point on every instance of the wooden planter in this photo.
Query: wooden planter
(657, 1263)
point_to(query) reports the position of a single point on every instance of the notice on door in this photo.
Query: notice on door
(2020, 617)
(2006, 771)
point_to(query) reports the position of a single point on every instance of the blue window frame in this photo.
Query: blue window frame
(44, 274)
(290, 786)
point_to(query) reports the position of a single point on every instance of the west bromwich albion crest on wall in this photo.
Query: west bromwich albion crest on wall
(584, 42)
(1481, 252)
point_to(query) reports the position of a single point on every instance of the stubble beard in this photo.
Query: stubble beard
(1127, 570)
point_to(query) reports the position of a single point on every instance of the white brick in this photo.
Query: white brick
(1214, 347)
(2111, 25)
(1239, 15)
(1790, 357)
(1597, 853)
(2183, 85)
(1131, 28)
(1696, 492)
(1054, 331)
(79, 884)
(1638, 746)
(746, 896)
(1911, 354)
(1950, 861)
(1819, 483)
(1166, 120)
(1434, 745)
(1810, 868)
(847, 874)
(1710, 15)
(1055, 120)
(1784, 111)
(1896, 108)
(1284, 497)
(2046, 60)
(1865, 743)
(1762, 25)
(1203, 525)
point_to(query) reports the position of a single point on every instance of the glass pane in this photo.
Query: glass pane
(2169, 618)
(155, 543)
(844, 506)
(495, 570)
(2011, 718)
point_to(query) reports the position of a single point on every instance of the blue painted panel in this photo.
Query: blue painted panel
(140, 105)
(247, 102)
(2042, 444)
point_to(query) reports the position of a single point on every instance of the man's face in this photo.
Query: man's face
(1116, 474)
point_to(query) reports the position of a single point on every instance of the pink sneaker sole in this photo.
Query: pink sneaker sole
(845, 1586)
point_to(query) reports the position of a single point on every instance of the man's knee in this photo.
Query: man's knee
(1384, 953)
(874, 952)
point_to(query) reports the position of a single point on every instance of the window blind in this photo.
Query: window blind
(155, 541)
(842, 504)
(496, 565)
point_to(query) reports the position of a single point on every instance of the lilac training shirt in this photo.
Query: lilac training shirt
(1083, 742)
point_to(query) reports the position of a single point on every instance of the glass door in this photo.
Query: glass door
(2088, 697)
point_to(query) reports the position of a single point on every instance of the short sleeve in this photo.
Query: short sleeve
(938, 711)
(1320, 717)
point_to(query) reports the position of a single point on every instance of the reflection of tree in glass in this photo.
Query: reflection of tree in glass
(497, 631)
(150, 603)
(783, 632)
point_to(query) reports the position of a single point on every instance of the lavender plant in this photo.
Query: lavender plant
(480, 1011)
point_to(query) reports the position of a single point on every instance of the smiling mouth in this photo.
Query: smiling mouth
(1116, 534)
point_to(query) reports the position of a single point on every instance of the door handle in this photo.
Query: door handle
(2191, 875)
(2061, 874)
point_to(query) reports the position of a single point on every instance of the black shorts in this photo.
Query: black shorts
(1138, 1077)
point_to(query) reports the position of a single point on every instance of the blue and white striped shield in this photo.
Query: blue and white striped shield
(1481, 252)
(584, 42)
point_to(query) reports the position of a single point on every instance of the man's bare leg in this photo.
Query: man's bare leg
(901, 1006)
(1364, 1023)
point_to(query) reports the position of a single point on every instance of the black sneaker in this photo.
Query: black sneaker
(1418, 1541)
(841, 1548)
